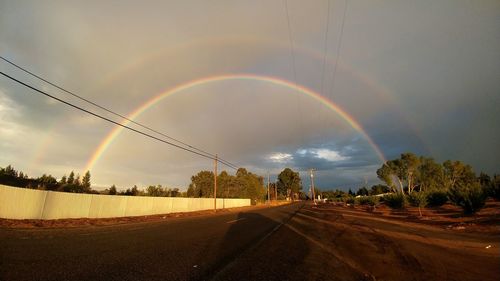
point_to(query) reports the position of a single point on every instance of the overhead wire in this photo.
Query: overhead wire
(339, 46)
(325, 48)
(114, 112)
(294, 67)
(112, 121)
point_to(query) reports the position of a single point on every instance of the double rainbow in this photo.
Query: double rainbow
(115, 132)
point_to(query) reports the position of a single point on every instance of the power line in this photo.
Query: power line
(339, 45)
(111, 121)
(292, 50)
(113, 112)
(325, 49)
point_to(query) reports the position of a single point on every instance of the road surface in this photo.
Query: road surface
(290, 242)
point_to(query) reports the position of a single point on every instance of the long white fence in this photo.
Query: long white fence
(23, 203)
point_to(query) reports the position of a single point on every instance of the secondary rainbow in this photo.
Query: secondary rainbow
(108, 140)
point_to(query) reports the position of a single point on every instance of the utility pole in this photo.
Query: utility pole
(268, 184)
(215, 184)
(312, 186)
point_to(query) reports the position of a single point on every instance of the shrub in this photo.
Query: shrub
(395, 200)
(368, 200)
(418, 199)
(436, 198)
(469, 196)
(350, 200)
(494, 188)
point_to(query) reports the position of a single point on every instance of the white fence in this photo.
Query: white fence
(23, 203)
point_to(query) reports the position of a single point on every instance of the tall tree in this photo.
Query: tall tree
(112, 190)
(202, 185)
(409, 167)
(86, 182)
(430, 175)
(456, 172)
(71, 177)
(289, 182)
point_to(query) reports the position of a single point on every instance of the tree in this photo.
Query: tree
(112, 190)
(10, 171)
(71, 177)
(86, 182)
(289, 182)
(379, 189)
(484, 179)
(388, 172)
(202, 185)
(63, 180)
(250, 185)
(430, 175)
(77, 181)
(418, 199)
(409, 168)
(155, 191)
(467, 195)
(362, 191)
(456, 172)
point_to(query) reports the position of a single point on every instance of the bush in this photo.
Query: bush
(350, 200)
(469, 196)
(368, 200)
(418, 199)
(494, 188)
(395, 200)
(436, 198)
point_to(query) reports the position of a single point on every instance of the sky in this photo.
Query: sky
(361, 82)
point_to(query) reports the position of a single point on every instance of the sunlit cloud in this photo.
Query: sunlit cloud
(322, 153)
(281, 157)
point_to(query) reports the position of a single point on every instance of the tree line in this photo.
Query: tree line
(72, 183)
(421, 181)
(243, 184)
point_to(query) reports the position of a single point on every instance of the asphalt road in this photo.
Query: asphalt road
(291, 242)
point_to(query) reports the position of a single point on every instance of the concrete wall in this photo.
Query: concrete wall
(22, 203)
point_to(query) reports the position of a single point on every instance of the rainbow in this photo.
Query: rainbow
(108, 140)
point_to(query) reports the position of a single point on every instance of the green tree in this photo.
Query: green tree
(456, 172)
(63, 180)
(112, 190)
(467, 195)
(389, 171)
(418, 199)
(251, 185)
(362, 191)
(71, 177)
(289, 182)
(86, 182)
(202, 185)
(431, 175)
(379, 189)
(409, 168)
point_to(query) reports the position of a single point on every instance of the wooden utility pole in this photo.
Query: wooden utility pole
(268, 184)
(312, 186)
(215, 184)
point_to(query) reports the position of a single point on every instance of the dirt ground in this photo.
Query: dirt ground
(386, 244)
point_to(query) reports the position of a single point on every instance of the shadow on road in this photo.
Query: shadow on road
(256, 248)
